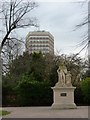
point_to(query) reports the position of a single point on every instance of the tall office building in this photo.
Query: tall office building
(40, 41)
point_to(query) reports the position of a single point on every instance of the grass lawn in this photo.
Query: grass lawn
(4, 112)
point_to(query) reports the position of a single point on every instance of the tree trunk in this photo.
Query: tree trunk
(89, 33)
(0, 80)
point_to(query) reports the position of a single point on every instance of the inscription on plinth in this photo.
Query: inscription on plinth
(63, 94)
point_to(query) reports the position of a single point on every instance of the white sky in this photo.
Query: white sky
(60, 17)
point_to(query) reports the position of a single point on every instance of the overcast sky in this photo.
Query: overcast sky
(60, 19)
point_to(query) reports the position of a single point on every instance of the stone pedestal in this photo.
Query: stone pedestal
(63, 97)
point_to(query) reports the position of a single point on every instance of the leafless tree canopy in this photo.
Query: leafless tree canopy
(14, 15)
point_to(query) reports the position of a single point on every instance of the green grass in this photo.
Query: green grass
(2, 113)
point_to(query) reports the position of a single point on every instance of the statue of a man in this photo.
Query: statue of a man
(62, 71)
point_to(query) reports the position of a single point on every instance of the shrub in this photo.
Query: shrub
(34, 93)
(79, 98)
(85, 86)
(8, 96)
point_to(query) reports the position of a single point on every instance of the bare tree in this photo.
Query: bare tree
(15, 15)
(11, 50)
(86, 40)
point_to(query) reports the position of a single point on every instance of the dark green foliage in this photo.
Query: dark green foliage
(30, 78)
(53, 76)
(86, 90)
(82, 92)
(9, 96)
(78, 95)
(34, 93)
(37, 67)
(19, 66)
(28, 92)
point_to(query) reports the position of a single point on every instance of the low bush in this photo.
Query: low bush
(34, 93)
(9, 96)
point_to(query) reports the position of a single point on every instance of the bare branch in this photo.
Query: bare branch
(12, 39)
(6, 22)
(13, 14)
(79, 52)
(10, 14)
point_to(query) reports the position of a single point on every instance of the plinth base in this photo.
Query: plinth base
(63, 97)
(64, 106)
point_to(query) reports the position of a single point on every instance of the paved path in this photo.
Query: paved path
(46, 112)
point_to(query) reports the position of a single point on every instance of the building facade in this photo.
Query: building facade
(40, 41)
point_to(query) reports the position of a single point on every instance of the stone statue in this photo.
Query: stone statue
(62, 71)
(63, 91)
(68, 79)
(64, 76)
